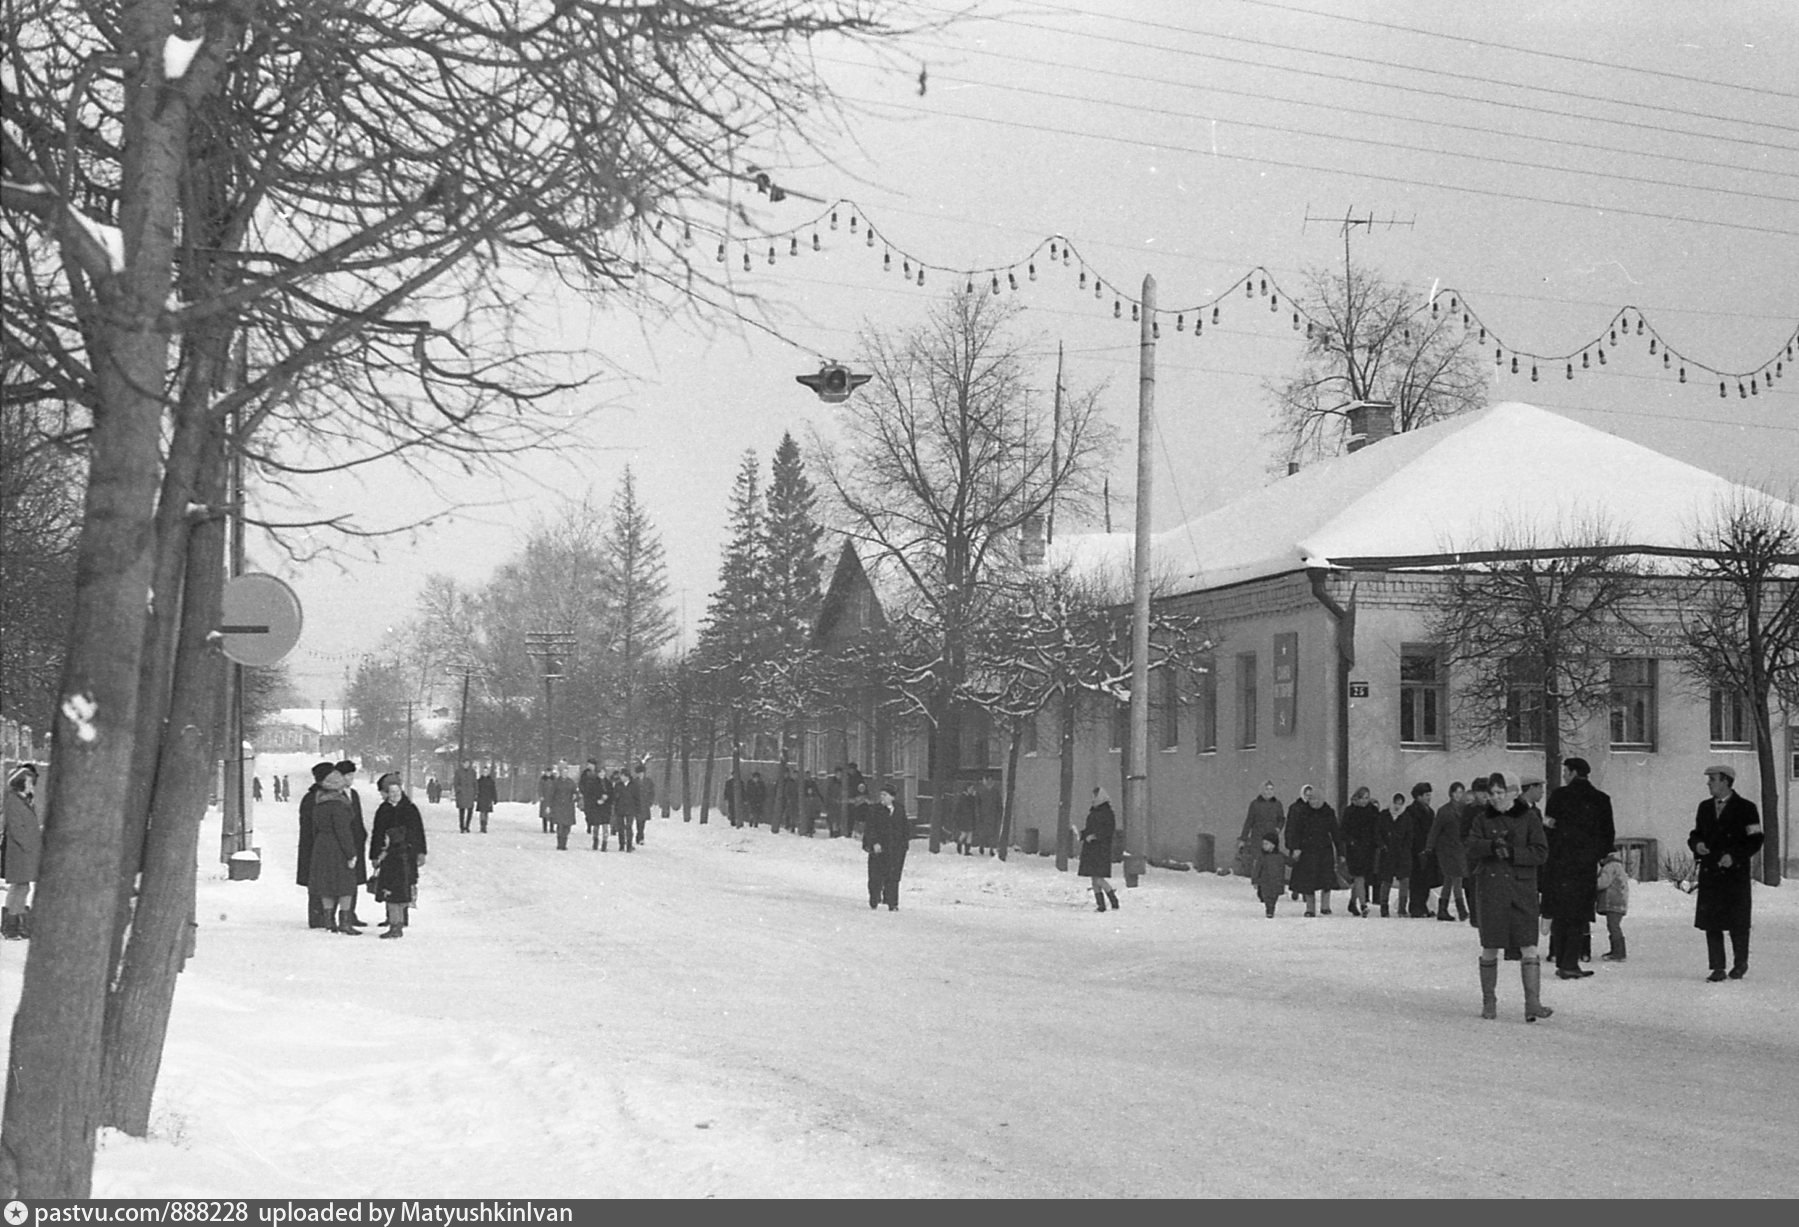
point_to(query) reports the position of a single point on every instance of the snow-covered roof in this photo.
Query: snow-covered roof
(1431, 492)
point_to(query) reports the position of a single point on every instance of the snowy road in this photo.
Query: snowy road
(721, 1014)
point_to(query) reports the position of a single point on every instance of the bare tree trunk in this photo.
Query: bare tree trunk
(1065, 785)
(711, 757)
(668, 767)
(137, 1010)
(686, 751)
(948, 745)
(1767, 768)
(1005, 819)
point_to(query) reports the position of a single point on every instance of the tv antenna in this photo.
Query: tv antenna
(1349, 222)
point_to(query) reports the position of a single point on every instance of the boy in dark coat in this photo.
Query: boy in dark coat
(1727, 831)
(1270, 873)
(886, 834)
(1505, 846)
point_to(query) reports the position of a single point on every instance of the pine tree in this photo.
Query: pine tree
(794, 565)
(736, 625)
(633, 577)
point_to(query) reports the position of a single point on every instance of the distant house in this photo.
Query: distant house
(859, 730)
(1319, 590)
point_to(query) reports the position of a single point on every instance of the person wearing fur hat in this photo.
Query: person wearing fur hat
(347, 769)
(1727, 831)
(335, 851)
(317, 917)
(20, 846)
(1270, 874)
(1505, 847)
(396, 854)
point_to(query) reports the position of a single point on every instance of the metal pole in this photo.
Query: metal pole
(408, 746)
(1136, 800)
(462, 722)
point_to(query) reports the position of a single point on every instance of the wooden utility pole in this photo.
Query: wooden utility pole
(1136, 785)
(465, 671)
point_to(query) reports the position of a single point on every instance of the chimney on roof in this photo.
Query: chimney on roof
(1292, 467)
(1030, 542)
(1370, 421)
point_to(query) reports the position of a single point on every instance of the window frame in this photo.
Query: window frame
(1205, 733)
(1167, 691)
(1249, 717)
(1522, 680)
(1648, 691)
(1437, 687)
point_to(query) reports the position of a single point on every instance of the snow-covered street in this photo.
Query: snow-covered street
(720, 1014)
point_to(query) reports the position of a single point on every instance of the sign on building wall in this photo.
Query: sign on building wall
(1286, 684)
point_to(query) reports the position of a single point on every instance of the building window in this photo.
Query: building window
(1633, 702)
(1246, 700)
(1730, 719)
(1206, 738)
(1168, 707)
(1421, 697)
(1523, 704)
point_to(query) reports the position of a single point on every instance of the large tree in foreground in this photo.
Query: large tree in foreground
(315, 215)
(949, 453)
(1740, 632)
(1371, 339)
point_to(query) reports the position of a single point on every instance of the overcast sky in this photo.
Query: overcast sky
(1551, 162)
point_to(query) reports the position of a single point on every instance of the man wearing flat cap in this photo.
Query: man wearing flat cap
(1578, 822)
(1727, 832)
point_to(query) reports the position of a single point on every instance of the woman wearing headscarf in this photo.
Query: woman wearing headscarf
(396, 853)
(1361, 847)
(1096, 849)
(1313, 841)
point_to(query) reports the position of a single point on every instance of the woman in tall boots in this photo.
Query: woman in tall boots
(1096, 849)
(1505, 846)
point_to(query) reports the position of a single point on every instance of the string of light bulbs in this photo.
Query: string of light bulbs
(1058, 252)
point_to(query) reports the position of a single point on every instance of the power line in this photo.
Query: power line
(1487, 158)
(1560, 115)
(1496, 46)
(1338, 108)
(1473, 78)
(1331, 170)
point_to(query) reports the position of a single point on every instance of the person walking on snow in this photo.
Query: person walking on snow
(886, 834)
(560, 801)
(1445, 844)
(1265, 815)
(1270, 874)
(336, 852)
(1727, 831)
(487, 792)
(1506, 845)
(21, 845)
(1096, 849)
(463, 785)
(1361, 847)
(1314, 840)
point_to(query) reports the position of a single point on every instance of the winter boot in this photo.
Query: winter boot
(1616, 953)
(394, 931)
(346, 927)
(1489, 988)
(1099, 902)
(12, 926)
(1112, 897)
(1443, 906)
(1531, 971)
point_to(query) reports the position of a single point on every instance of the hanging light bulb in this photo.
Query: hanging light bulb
(1652, 347)
(1780, 370)
(1614, 336)
(1722, 394)
(1052, 249)
(1099, 288)
(1407, 334)
(1083, 284)
(1754, 388)
(746, 259)
(721, 253)
(1155, 330)
(1133, 313)
(996, 283)
(887, 262)
(1639, 325)
(1274, 304)
(1180, 323)
(1533, 372)
(1667, 358)
(1433, 308)
(906, 268)
(1464, 319)
(833, 219)
(1117, 309)
(1011, 279)
(1744, 395)
(1570, 370)
(1308, 330)
(970, 286)
(1602, 357)
(793, 246)
(1296, 321)
(1199, 325)
(1452, 306)
(1499, 357)
(1031, 268)
(1066, 255)
(686, 233)
(815, 240)
(852, 223)
(1214, 315)
(921, 274)
(1514, 364)
(771, 253)
(1483, 334)
(1249, 287)
(1264, 287)
(1584, 364)
(1683, 374)
(870, 232)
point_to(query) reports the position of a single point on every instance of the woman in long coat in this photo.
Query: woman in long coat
(1265, 815)
(1445, 843)
(396, 850)
(1313, 841)
(20, 848)
(1096, 849)
(1505, 846)
(1361, 847)
(334, 852)
(486, 794)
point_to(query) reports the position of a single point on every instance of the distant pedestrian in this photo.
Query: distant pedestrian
(396, 854)
(1444, 843)
(464, 786)
(812, 806)
(990, 816)
(856, 811)
(1270, 872)
(545, 785)
(1727, 832)
(1427, 872)
(886, 834)
(487, 794)
(1314, 841)
(592, 787)
(623, 799)
(1265, 815)
(1361, 847)
(561, 805)
(786, 801)
(645, 788)
(1096, 849)
(1506, 845)
(968, 813)
(755, 793)
(21, 848)
(256, 788)
(1613, 885)
(1396, 846)
(835, 799)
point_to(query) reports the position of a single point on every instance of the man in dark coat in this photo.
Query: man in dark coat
(561, 805)
(463, 785)
(886, 834)
(626, 796)
(487, 793)
(1427, 875)
(397, 849)
(835, 798)
(1505, 846)
(787, 800)
(1578, 822)
(755, 797)
(317, 915)
(1727, 832)
(646, 797)
(591, 786)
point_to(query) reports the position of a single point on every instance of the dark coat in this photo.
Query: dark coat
(592, 786)
(626, 800)
(463, 784)
(992, 813)
(1506, 885)
(336, 852)
(755, 795)
(968, 811)
(1362, 839)
(360, 830)
(1096, 841)
(395, 846)
(1265, 815)
(1444, 843)
(562, 801)
(1426, 873)
(1270, 874)
(1581, 837)
(1314, 840)
(1724, 896)
(24, 840)
(1396, 842)
(888, 828)
(303, 859)
(486, 794)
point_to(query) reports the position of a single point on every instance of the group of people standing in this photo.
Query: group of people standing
(339, 854)
(612, 802)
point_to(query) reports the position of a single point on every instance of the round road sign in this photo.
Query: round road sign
(261, 620)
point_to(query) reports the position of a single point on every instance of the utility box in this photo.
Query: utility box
(1642, 857)
(1205, 856)
(1031, 841)
(245, 866)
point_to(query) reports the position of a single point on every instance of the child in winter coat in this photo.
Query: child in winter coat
(1614, 902)
(1270, 872)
